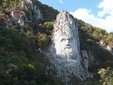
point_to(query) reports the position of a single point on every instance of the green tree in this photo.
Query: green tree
(106, 76)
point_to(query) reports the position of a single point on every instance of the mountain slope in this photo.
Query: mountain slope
(24, 37)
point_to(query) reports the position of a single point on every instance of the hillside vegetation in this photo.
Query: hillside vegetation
(22, 61)
(90, 39)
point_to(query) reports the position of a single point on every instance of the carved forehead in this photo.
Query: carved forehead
(65, 37)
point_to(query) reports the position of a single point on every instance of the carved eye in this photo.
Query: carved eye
(63, 39)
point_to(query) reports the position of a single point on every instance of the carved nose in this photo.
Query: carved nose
(67, 42)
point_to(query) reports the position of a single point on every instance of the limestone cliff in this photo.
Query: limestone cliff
(65, 50)
(71, 57)
(28, 12)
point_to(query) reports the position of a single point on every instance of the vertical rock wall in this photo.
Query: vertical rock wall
(65, 49)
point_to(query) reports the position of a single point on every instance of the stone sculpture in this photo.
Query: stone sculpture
(65, 49)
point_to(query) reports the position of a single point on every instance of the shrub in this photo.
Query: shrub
(106, 76)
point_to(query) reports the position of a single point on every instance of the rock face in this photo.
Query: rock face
(65, 49)
(110, 49)
(87, 60)
(28, 12)
(35, 9)
(18, 17)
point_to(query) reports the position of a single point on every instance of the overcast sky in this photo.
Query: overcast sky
(96, 12)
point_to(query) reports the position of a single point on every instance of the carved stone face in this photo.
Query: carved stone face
(66, 47)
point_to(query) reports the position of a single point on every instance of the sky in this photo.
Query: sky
(98, 13)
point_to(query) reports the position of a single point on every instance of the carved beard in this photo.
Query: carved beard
(66, 48)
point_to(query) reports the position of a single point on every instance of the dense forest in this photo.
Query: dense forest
(22, 57)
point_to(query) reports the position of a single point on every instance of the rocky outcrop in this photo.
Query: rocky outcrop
(17, 14)
(110, 48)
(65, 50)
(18, 17)
(107, 46)
(23, 5)
(102, 43)
(87, 59)
(28, 12)
(35, 9)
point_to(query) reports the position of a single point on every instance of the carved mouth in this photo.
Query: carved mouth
(67, 47)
